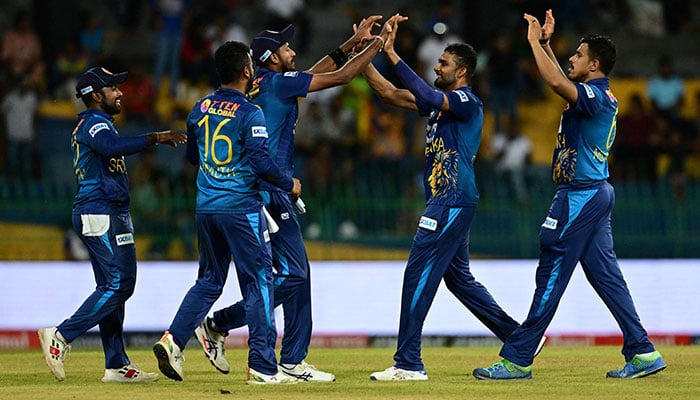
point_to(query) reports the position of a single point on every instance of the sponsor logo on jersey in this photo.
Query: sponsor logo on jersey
(124, 239)
(259, 131)
(291, 74)
(98, 127)
(589, 91)
(462, 96)
(204, 106)
(266, 236)
(218, 107)
(284, 216)
(427, 223)
(550, 223)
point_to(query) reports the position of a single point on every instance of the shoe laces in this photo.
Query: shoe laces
(497, 366)
(306, 365)
(63, 348)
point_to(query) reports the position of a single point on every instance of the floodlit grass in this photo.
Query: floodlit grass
(559, 373)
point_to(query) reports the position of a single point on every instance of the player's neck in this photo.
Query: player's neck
(239, 86)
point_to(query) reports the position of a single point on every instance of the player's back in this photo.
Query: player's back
(218, 123)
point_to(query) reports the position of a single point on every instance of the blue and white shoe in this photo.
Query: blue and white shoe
(640, 366)
(503, 370)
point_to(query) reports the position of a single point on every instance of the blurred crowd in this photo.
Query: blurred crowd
(349, 144)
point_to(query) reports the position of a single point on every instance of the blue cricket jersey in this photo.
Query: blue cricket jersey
(99, 166)
(278, 95)
(586, 134)
(452, 142)
(227, 138)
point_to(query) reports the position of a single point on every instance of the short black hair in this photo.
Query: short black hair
(230, 60)
(465, 56)
(603, 49)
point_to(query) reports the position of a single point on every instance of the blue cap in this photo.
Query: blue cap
(95, 79)
(267, 42)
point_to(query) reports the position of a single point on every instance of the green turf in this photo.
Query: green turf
(559, 373)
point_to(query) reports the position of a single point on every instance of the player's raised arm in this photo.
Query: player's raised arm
(338, 57)
(386, 90)
(354, 66)
(549, 68)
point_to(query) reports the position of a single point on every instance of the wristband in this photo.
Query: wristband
(338, 57)
(382, 39)
(544, 41)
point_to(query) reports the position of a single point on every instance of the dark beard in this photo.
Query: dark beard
(111, 109)
(249, 85)
(439, 85)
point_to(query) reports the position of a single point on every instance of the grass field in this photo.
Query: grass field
(559, 373)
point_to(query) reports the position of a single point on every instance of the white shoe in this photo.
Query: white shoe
(169, 356)
(543, 340)
(213, 343)
(398, 374)
(55, 351)
(257, 378)
(128, 373)
(306, 373)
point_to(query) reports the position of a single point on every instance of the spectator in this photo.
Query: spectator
(635, 157)
(225, 29)
(19, 109)
(675, 140)
(431, 48)
(139, 103)
(21, 52)
(502, 70)
(92, 37)
(197, 56)
(170, 16)
(512, 152)
(445, 13)
(281, 13)
(666, 89)
(70, 63)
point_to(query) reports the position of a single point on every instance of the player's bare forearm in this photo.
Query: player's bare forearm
(351, 69)
(386, 91)
(547, 63)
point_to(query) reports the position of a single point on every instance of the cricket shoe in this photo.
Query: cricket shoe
(55, 350)
(640, 366)
(306, 372)
(503, 370)
(258, 378)
(399, 374)
(169, 356)
(213, 343)
(128, 373)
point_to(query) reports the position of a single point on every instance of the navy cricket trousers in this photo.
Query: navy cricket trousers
(113, 258)
(292, 282)
(440, 251)
(578, 228)
(245, 237)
